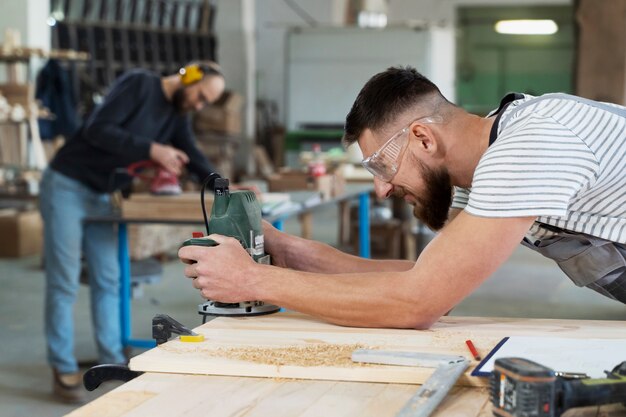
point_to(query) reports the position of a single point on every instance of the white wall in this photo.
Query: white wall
(273, 17)
(235, 30)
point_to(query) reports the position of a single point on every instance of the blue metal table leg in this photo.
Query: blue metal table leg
(125, 313)
(364, 225)
(124, 260)
(278, 224)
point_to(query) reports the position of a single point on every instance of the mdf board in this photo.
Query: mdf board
(185, 206)
(292, 345)
(601, 66)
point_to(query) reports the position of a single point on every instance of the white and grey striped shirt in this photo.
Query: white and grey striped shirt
(558, 157)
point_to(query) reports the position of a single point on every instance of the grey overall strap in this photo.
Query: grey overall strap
(619, 111)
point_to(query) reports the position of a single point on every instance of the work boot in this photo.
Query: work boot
(68, 387)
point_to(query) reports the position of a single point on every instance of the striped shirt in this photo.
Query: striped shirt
(560, 158)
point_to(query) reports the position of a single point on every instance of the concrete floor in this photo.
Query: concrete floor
(526, 286)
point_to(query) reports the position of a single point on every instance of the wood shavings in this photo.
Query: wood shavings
(307, 355)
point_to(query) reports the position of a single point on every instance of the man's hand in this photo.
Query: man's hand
(275, 240)
(168, 157)
(222, 272)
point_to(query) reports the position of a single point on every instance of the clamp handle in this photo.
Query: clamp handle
(98, 374)
(163, 326)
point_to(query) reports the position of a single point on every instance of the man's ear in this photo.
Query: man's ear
(425, 138)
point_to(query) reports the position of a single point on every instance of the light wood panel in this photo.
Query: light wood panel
(185, 206)
(194, 395)
(177, 395)
(265, 334)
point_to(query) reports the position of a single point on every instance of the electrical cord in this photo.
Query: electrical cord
(212, 176)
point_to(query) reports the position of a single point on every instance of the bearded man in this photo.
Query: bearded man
(547, 171)
(143, 117)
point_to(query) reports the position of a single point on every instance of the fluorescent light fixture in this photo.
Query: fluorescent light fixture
(368, 19)
(527, 27)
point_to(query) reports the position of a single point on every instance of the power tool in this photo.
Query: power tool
(523, 388)
(236, 214)
(161, 181)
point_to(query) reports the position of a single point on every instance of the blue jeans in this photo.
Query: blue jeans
(64, 204)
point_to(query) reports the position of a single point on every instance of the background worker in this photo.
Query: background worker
(548, 170)
(144, 117)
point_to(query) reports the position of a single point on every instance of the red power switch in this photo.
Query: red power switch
(197, 234)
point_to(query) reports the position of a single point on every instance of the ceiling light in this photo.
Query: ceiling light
(527, 27)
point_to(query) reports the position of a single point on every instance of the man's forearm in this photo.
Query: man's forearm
(312, 256)
(380, 299)
(456, 262)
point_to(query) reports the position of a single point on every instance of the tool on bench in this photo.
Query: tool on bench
(236, 214)
(98, 374)
(162, 182)
(522, 388)
(448, 370)
(163, 326)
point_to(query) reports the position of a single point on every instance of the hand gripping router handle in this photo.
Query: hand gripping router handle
(237, 215)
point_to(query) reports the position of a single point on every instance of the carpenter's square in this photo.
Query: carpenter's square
(448, 370)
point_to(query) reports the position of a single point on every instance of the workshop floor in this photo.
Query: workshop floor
(526, 286)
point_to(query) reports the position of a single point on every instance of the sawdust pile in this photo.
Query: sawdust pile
(308, 355)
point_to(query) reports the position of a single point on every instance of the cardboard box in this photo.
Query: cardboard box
(222, 116)
(22, 94)
(22, 233)
(329, 185)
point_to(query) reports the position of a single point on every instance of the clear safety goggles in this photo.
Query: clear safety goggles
(385, 162)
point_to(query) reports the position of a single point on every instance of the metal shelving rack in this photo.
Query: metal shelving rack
(159, 35)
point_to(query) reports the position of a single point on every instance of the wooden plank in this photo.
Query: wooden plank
(177, 395)
(185, 206)
(16, 93)
(193, 395)
(276, 345)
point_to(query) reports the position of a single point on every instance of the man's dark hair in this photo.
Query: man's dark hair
(385, 96)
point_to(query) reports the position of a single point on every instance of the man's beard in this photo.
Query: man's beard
(178, 100)
(433, 204)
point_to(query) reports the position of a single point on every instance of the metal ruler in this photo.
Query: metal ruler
(448, 370)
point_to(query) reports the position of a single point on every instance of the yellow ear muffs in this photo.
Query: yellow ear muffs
(191, 74)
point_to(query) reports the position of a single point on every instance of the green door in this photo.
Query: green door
(490, 64)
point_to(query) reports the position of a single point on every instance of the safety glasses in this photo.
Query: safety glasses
(385, 162)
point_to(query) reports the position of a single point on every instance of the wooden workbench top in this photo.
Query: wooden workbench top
(169, 389)
(292, 345)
